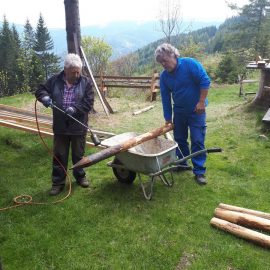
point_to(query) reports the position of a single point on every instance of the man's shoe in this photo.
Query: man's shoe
(200, 178)
(55, 190)
(83, 182)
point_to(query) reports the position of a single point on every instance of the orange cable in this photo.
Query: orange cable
(27, 199)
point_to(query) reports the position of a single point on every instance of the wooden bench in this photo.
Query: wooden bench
(242, 81)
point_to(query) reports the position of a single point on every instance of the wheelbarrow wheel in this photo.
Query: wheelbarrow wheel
(124, 176)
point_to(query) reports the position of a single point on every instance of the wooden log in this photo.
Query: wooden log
(168, 136)
(242, 232)
(72, 15)
(243, 219)
(244, 210)
(143, 110)
(121, 147)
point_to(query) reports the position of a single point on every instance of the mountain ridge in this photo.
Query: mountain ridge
(123, 36)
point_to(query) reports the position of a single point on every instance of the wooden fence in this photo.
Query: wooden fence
(140, 82)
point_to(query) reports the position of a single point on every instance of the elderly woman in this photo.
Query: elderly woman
(185, 82)
(73, 93)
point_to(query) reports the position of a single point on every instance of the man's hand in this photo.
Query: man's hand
(46, 101)
(167, 123)
(200, 107)
(70, 111)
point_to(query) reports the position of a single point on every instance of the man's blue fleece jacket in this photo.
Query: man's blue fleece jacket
(183, 84)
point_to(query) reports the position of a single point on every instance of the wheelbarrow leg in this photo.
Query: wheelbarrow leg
(166, 181)
(147, 188)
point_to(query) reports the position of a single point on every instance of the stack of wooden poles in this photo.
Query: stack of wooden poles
(25, 120)
(235, 219)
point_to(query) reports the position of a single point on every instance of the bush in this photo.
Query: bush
(227, 70)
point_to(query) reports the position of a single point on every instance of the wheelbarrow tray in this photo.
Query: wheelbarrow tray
(147, 158)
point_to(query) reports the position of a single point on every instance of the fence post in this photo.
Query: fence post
(154, 85)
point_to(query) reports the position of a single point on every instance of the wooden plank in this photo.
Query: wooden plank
(128, 86)
(125, 77)
(249, 81)
(266, 117)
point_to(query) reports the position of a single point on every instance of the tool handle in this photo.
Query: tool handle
(210, 150)
(214, 150)
(73, 118)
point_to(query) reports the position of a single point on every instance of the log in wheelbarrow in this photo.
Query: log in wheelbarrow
(155, 158)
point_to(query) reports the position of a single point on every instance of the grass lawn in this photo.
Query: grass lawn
(112, 226)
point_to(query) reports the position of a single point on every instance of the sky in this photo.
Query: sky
(103, 12)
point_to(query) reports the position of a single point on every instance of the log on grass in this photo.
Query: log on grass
(243, 219)
(121, 147)
(242, 232)
(244, 210)
(143, 110)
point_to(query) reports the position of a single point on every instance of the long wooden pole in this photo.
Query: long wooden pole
(242, 232)
(244, 210)
(243, 219)
(94, 82)
(121, 147)
(46, 133)
(24, 112)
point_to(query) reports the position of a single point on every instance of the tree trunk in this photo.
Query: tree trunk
(73, 26)
(262, 98)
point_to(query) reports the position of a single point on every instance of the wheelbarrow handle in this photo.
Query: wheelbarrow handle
(210, 150)
(214, 150)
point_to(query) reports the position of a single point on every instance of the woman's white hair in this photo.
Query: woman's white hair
(166, 49)
(73, 60)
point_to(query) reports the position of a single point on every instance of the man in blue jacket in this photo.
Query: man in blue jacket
(185, 82)
(73, 93)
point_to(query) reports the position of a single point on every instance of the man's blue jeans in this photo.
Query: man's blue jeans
(197, 127)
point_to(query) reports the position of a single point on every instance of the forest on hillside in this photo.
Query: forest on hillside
(224, 51)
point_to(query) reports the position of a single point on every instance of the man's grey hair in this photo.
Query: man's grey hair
(166, 49)
(73, 60)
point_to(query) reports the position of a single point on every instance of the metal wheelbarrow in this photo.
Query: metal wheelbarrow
(154, 158)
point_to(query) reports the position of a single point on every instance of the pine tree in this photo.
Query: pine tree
(26, 61)
(253, 28)
(5, 46)
(42, 46)
(43, 41)
(16, 72)
(9, 52)
(28, 37)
